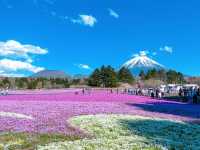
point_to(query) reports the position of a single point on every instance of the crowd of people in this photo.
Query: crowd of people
(157, 93)
(188, 93)
(154, 93)
(194, 93)
(4, 91)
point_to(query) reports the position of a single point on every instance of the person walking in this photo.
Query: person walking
(152, 94)
(195, 98)
(157, 93)
(198, 92)
(83, 91)
(111, 90)
(180, 92)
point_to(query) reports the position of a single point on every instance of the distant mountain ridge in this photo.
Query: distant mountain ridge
(50, 74)
(142, 62)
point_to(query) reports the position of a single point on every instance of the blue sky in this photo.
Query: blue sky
(78, 36)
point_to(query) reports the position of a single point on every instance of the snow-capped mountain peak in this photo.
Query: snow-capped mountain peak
(142, 62)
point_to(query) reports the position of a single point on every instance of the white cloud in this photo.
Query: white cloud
(135, 55)
(83, 66)
(167, 49)
(11, 75)
(143, 53)
(8, 65)
(15, 49)
(87, 20)
(113, 13)
(16, 58)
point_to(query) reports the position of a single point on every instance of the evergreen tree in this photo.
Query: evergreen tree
(95, 78)
(180, 78)
(175, 77)
(109, 77)
(32, 84)
(19, 83)
(66, 83)
(151, 74)
(161, 75)
(124, 75)
(103, 77)
(6, 82)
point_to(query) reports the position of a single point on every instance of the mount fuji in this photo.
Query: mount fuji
(142, 62)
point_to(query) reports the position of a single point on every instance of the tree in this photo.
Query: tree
(124, 75)
(175, 77)
(5, 82)
(75, 81)
(21, 82)
(109, 77)
(151, 74)
(32, 84)
(180, 78)
(95, 78)
(161, 75)
(66, 83)
(58, 82)
(103, 77)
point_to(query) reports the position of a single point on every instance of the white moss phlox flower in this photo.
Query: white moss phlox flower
(127, 132)
(15, 115)
(108, 135)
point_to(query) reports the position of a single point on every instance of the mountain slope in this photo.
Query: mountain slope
(141, 62)
(50, 74)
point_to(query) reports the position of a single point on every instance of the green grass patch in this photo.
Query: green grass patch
(28, 141)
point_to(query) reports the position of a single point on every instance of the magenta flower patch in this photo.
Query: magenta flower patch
(48, 111)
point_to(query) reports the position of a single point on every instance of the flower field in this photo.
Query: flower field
(128, 132)
(44, 119)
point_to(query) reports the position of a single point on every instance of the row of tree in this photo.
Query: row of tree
(170, 76)
(34, 83)
(106, 76)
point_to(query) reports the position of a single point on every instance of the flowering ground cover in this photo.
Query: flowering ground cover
(125, 132)
(30, 118)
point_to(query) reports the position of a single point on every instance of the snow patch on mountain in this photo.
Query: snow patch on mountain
(142, 62)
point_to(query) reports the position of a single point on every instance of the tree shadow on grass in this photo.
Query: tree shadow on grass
(179, 109)
(173, 135)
